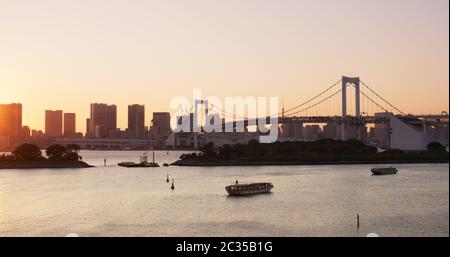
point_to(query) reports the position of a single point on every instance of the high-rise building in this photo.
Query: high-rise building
(136, 120)
(69, 124)
(160, 125)
(10, 120)
(111, 123)
(88, 127)
(53, 123)
(26, 132)
(103, 120)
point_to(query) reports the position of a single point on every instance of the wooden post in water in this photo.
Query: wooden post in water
(357, 220)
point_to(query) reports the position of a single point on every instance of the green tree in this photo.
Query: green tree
(72, 152)
(188, 156)
(208, 150)
(72, 156)
(436, 147)
(55, 152)
(27, 152)
(253, 142)
(73, 148)
(393, 151)
(225, 151)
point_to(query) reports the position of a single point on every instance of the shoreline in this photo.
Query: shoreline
(297, 163)
(44, 165)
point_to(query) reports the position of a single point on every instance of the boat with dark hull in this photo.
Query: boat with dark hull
(384, 171)
(138, 165)
(249, 189)
(144, 163)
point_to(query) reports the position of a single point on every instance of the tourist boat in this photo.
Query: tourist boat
(384, 171)
(248, 189)
(144, 163)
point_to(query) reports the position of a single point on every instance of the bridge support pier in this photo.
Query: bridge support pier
(343, 135)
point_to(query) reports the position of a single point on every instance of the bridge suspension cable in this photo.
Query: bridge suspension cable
(310, 100)
(226, 114)
(313, 103)
(316, 104)
(374, 102)
(379, 96)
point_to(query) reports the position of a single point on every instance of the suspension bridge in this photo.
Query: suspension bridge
(335, 105)
(325, 107)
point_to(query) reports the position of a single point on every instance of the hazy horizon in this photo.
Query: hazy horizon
(67, 54)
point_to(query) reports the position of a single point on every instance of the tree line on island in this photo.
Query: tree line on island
(324, 150)
(31, 152)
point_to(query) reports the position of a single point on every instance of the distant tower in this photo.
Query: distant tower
(103, 119)
(54, 123)
(69, 124)
(136, 120)
(10, 120)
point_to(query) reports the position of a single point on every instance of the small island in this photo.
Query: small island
(320, 152)
(29, 156)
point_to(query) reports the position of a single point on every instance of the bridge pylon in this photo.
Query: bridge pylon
(356, 83)
(195, 126)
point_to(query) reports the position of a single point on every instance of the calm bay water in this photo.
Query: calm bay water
(306, 200)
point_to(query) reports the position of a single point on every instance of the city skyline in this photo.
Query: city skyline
(149, 52)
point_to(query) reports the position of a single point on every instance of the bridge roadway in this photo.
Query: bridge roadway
(350, 120)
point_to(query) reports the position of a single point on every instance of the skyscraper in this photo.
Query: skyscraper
(10, 120)
(26, 132)
(53, 123)
(111, 120)
(69, 124)
(88, 127)
(103, 120)
(160, 125)
(136, 120)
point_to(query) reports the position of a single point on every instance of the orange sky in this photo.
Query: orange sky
(67, 54)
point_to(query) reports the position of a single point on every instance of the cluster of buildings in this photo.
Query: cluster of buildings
(102, 132)
(101, 128)
(59, 124)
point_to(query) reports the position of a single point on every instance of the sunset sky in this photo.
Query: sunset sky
(67, 54)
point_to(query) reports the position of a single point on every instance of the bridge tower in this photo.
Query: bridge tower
(356, 83)
(201, 102)
(195, 126)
